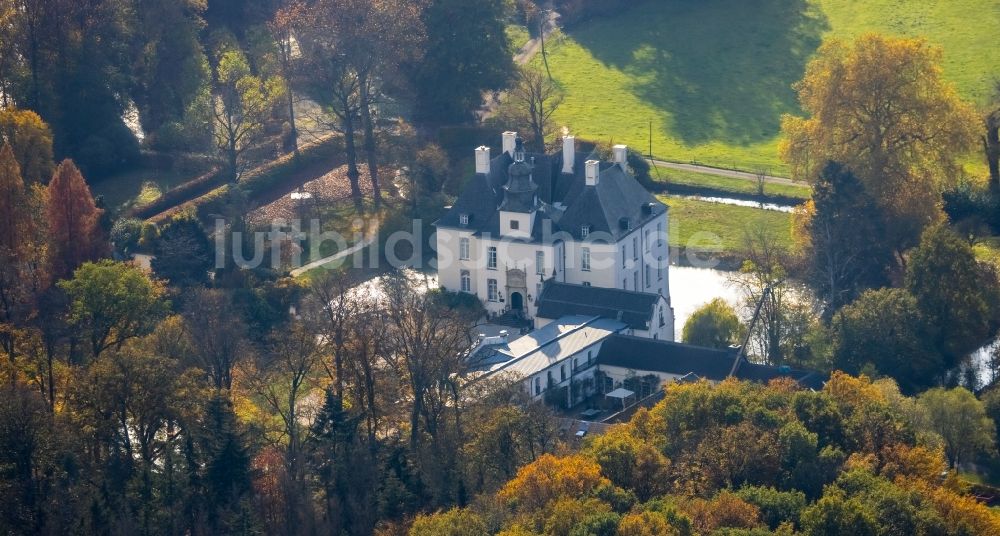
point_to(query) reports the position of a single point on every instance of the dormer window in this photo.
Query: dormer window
(514, 225)
(463, 219)
(584, 231)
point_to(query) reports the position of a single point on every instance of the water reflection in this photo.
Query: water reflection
(738, 202)
(690, 288)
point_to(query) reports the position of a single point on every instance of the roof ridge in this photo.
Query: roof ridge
(595, 289)
(554, 339)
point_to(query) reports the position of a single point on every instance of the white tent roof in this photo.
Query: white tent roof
(620, 392)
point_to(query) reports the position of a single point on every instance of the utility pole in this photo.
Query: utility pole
(541, 35)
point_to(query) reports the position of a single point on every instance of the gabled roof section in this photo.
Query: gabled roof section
(617, 195)
(642, 354)
(636, 309)
(680, 359)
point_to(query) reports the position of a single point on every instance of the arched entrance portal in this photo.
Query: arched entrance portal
(516, 302)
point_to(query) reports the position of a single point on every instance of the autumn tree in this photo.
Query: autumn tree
(216, 336)
(426, 338)
(353, 52)
(714, 325)
(332, 83)
(243, 104)
(549, 478)
(881, 107)
(281, 27)
(763, 281)
(19, 277)
(113, 302)
(956, 293)
(285, 374)
(172, 69)
(991, 137)
(445, 91)
(184, 254)
(31, 140)
(454, 522)
(534, 98)
(74, 221)
(847, 250)
(884, 330)
(962, 422)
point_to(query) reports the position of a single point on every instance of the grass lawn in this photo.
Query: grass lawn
(700, 224)
(729, 184)
(713, 78)
(137, 186)
(988, 250)
(517, 36)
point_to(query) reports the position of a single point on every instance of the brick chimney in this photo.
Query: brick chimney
(483, 159)
(593, 172)
(509, 142)
(620, 155)
(569, 153)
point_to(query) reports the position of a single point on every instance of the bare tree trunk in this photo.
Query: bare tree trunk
(370, 149)
(991, 145)
(352, 163)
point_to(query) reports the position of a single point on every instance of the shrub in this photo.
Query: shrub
(125, 234)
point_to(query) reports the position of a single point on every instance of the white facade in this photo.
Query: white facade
(506, 271)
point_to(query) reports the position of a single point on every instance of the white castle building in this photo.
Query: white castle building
(538, 236)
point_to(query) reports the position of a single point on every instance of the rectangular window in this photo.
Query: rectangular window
(647, 240)
(514, 224)
(466, 281)
(538, 385)
(491, 258)
(648, 274)
(623, 255)
(540, 262)
(585, 260)
(635, 280)
(624, 284)
(562, 372)
(659, 267)
(635, 248)
(463, 219)
(584, 231)
(491, 290)
(463, 249)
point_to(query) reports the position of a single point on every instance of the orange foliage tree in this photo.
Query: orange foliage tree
(74, 221)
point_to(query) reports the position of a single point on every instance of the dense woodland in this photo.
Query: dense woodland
(194, 399)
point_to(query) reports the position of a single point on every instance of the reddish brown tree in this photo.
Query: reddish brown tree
(74, 221)
(14, 215)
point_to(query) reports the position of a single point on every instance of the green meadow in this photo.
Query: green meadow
(713, 77)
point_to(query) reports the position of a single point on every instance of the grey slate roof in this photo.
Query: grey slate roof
(639, 353)
(617, 195)
(635, 309)
(650, 355)
(542, 348)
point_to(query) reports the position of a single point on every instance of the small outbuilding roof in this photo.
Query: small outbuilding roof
(636, 309)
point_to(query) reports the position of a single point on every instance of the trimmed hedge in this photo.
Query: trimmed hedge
(256, 182)
(178, 195)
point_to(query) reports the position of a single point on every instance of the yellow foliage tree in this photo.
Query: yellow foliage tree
(31, 139)
(645, 524)
(631, 463)
(549, 478)
(881, 107)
